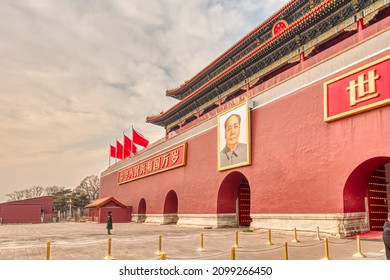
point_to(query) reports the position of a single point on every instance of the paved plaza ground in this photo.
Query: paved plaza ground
(135, 241)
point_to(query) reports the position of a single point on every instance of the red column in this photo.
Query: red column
(360, 24)
(302, 56)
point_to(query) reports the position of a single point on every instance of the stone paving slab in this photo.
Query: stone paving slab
(134, 241)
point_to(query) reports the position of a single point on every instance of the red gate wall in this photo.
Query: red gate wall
(300, 163)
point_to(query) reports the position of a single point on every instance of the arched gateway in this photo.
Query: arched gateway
(170, 208)
(234, 201)
(366, 191)
(142, 210)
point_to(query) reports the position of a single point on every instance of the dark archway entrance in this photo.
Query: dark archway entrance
(142, 211)
(170, 208)
(234, 201)
(367, 190)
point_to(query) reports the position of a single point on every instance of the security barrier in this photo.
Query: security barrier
(247, 245)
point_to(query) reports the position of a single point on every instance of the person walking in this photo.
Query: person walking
(386, 236)
(109, 223)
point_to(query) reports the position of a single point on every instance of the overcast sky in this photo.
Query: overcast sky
(76, 74)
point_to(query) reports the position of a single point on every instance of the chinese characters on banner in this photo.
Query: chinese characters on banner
(173, 158)
(360, 90)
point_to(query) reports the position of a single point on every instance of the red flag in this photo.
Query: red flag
(127, 143)
(112, 151)
(139, 139)
(133, 148)
(119, 150)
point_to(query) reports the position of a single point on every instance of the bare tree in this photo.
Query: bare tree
(51, 190)
(11, 196)
(23, 194)
(88, 190)
(90, 186)
(36, 191)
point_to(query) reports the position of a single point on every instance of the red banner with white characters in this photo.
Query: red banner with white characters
(363, 89)
(173, 158)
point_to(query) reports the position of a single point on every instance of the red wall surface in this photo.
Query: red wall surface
(45, 201)
(300, 164)
(21, 213)
(27, 210)
(119, 215)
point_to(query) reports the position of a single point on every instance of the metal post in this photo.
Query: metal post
(233, 253)
(201, 248)
(326, 257)
(359, 248)
(269, 242)
(295, 240)
(48, 250)
(338, 235)
(318, 234)
(159, 252)
(285, 251)
(236, 244)
(109, 256)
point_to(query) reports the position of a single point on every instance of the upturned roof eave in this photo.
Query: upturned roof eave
(175, 91)
(162, 115)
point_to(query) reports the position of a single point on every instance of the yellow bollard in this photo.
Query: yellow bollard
(359, 247)
(285, 251)
(338, 234)
(159, 252)
(269, 242)
(295, 240)
(109, 256)
(318, 234)
(233, 253)
(236, 244)
(48, 250)
(201, 248)
(326, 257)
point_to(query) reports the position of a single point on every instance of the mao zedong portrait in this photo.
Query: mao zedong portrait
(233, 152)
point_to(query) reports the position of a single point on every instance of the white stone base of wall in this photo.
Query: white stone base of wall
(207, 220)
(345, 224)
(161, 219)
(138, 218)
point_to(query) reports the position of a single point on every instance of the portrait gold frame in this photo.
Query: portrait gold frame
(243, 110)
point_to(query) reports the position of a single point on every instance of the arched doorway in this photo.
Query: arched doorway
(367, 190)
(234, 201)
(170, 208)
(142, 210)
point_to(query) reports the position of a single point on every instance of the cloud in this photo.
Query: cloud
(76, 74)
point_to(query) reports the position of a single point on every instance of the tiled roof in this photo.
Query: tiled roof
(102, 201)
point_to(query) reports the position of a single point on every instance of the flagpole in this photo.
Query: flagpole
(132, 139)
(116, 149)
(109, 155)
